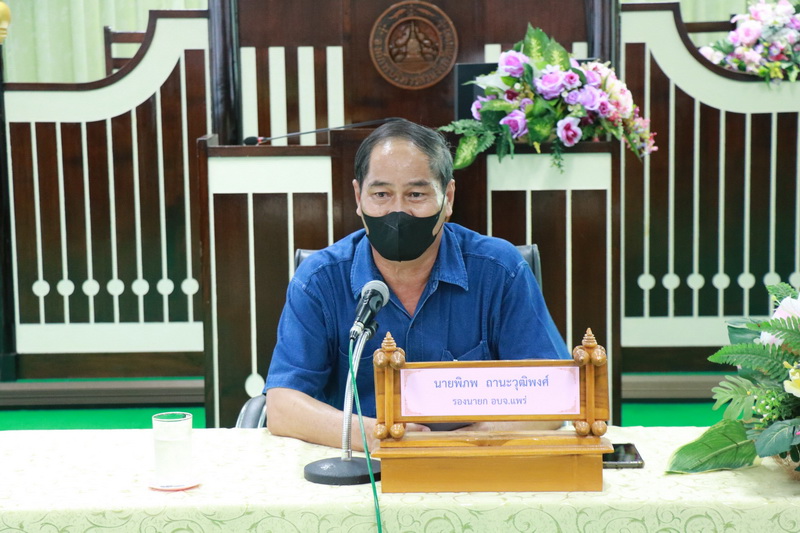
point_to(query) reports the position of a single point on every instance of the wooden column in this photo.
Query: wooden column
(223, 40)
(8, 370)
(602, 26)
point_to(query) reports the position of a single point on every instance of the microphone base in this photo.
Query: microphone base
(337, 471)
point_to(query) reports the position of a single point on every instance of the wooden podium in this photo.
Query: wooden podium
(469, 461)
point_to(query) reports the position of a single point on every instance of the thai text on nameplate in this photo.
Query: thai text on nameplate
(490, 391)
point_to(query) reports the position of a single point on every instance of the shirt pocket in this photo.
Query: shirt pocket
(478, 353)
(365, 363)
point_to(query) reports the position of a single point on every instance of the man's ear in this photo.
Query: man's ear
(450, 195)
(357, 191)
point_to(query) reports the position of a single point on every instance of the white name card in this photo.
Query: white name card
(545, 390)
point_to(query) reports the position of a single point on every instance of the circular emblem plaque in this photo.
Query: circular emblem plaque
(413, 45)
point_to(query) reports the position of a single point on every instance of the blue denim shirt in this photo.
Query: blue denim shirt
(481, 302)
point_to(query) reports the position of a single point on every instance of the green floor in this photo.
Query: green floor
(633, 414)
(123, 418)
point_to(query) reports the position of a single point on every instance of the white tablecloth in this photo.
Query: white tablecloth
(97, 481)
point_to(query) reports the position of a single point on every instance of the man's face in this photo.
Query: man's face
(399, 179)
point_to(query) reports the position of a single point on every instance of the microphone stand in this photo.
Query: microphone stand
(346, 470)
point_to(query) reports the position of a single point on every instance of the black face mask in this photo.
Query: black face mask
(398, 236)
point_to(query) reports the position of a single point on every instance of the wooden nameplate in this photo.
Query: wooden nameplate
(474, 461)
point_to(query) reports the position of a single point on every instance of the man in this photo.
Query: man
(454, 294)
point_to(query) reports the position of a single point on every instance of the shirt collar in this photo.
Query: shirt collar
(448, 268)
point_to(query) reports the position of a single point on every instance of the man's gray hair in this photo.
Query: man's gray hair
(428, 141)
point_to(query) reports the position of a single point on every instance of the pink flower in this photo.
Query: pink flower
(524, 103)
(593, 79)
(516, 122)
(748, 32)
(513, 63)
(604, 108)
(551, 83)
(591, 97)
(571, 80)
(477, 105)
(568, 131)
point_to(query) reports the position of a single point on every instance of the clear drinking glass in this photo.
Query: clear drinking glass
(172, 437)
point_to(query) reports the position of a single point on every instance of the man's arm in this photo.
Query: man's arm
(292, 413)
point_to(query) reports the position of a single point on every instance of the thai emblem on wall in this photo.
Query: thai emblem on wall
(413, 45)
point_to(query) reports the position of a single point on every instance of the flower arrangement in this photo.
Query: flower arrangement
(762, 417)
(538, 94)
(765, 43)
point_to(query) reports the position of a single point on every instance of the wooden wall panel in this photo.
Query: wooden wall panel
(786, 197)
(174, 198)
(348, 23)
(682, 218)
(589, 263)
(99, 194)
(25, 220)
(734, 207)
(232, 266)
(148, 216)
(272, 259)
(74, 218)
(549, 232)
(50, 224)
(508, 208)
(709, 215)
(124, 216)
(634, 200)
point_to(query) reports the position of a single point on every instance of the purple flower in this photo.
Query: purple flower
(568, 131)
(524, 103)
(591, 97)
(572, 97)
(512, 63)
(551, 83)
(516, 123)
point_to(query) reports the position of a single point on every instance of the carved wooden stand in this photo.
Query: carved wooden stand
(459, 461)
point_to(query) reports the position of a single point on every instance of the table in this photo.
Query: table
(96, 480)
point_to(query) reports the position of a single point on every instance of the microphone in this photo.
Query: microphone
(253, 141)
(374, 296)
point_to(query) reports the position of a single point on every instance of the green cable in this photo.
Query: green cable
(364, 441)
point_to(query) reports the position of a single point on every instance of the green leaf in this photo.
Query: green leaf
(766, 359)
(541, 108)
(555, 54)
(780, 291)
(739, 333)
(723, 446)
(539, 130)
(787, 329)
(466, 152)
(534, 44)
(498, 105)
(739, 392)
(777, 438)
